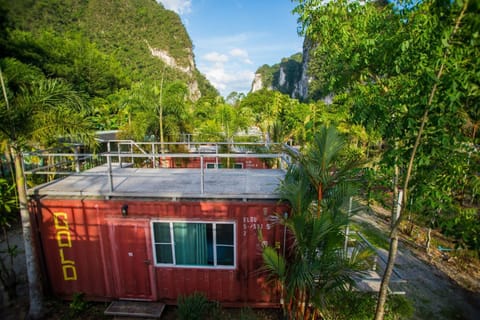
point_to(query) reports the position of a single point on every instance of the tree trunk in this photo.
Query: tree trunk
(160, 123)
(160, 116)
(395, 192)
(36, 310)
(392, 255)
(382, 296)
(319, 200)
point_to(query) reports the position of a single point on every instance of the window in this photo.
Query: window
(194, 244)
(238, 165)
(213, 165)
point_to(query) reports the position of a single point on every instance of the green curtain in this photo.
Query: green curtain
(190, 243)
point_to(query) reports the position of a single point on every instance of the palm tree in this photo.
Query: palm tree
(174, 113)
(158, 110)
(323, 163)
(35, 114)
(318, 265)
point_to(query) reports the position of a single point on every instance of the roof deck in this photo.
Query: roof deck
(167, 183)
(148, 175)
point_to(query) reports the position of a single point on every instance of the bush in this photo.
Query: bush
(399, 307)
(247, 314)
(464, 226)
(196, 307)
(361, 306)
(78, 304)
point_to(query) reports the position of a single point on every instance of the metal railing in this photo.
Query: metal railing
(128, 153)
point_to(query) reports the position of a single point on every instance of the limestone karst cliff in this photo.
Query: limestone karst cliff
(283, 76)
(290, 76)
(149, 41)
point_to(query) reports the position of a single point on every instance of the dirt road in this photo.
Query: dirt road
(434, 293)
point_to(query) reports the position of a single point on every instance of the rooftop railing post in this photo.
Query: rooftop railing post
(131, 151)
(109, 169)
(216, 156)
(154, 164)
(202, 175)
(119, 150)
(77, 159)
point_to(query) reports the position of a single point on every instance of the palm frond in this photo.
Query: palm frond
(274, 262)
(46, 110)
(337, 195)
(297, 190)
(299, 277)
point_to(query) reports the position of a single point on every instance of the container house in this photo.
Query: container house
(113, 228)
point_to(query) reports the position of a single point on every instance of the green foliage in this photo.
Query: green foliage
(414, 84)
(464, 227)
(148, 104)
(205, 87)
(247, 314)
(69, 56)
(118, 29)
(373, 235)
(279, 117)
(361, 306)
(94, 75)
(8, 202)
(8, 216)
(316, 187)
(384, 82)
(38, 114)
(99, 48)
(234, 98)
(197, 307)
(41, 111)
(399, 306)
(318, 266)
(78, 304)
(175, 115)
(274, 262)
(223, 123)
(329, 171)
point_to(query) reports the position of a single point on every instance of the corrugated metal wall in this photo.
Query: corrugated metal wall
(90, 247)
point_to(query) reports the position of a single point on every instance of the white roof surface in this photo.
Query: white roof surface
(243, 184)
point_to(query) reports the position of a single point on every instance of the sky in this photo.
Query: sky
(233, 38)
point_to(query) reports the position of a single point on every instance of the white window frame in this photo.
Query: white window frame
(214, 235)
(213, 165)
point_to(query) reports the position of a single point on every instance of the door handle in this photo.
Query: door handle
(146, 261)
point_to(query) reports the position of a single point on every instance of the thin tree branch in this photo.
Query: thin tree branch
(382, 296)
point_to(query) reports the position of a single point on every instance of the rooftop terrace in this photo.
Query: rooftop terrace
(127, 169)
